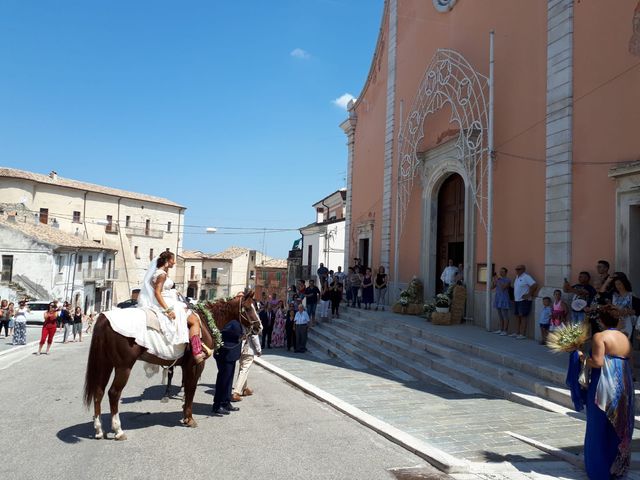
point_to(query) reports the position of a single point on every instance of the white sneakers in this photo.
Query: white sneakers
(502, 333)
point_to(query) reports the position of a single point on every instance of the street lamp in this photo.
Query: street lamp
(211, 230)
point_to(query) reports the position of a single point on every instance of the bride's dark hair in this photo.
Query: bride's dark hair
(163, 258)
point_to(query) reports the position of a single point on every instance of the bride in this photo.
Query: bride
(178, 324)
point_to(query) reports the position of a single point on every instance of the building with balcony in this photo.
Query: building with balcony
(209, 276)
(139, 226)
(323, 240)
(271, 277)
(201, 277)
(42, 262)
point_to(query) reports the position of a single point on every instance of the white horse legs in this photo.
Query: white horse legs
(117, 427)
(97, 425)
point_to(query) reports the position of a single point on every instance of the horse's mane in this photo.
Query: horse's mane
(223, 309)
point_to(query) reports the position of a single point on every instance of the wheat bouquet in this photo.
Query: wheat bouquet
(568, 338)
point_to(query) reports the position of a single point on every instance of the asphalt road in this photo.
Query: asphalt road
(279, 433)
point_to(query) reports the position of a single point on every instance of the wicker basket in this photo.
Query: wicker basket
(458, 303)
(441, 318)
(415, 309)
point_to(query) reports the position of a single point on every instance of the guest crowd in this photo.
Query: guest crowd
(573, 304)
(58, 317)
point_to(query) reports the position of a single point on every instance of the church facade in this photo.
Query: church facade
(547, 168)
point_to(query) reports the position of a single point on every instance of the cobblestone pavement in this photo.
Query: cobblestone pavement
(472, 427)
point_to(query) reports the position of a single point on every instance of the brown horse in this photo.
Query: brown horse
(110, 350)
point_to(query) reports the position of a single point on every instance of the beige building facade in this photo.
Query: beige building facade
(137, 226)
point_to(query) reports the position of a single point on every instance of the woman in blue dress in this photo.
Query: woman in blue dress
(501, 301)
(610, 401)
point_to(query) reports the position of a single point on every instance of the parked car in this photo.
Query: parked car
(36, 312)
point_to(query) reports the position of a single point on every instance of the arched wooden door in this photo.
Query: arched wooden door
(450, 241)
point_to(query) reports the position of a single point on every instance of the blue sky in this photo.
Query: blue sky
(223, 106)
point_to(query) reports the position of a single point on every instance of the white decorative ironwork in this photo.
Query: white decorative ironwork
(448, 80)
(444, 6)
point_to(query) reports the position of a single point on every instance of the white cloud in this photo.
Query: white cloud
(343, 100)
(300, 54)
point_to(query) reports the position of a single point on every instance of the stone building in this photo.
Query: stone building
(44, 263)
(563, 170)
(271, 277)
(323, 240)
(137, 225)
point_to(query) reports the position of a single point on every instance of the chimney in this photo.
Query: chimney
(53, 175)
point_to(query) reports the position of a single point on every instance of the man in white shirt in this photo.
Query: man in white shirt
(301, 321)
(250, 348)
(524, 289)
(449, 274)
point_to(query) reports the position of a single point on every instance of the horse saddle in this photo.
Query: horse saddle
(152, 319)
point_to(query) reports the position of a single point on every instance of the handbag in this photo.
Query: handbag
(585, 373)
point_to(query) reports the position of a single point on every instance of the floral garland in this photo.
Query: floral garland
(215, 332)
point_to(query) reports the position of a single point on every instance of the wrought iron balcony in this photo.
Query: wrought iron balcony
(144, 232)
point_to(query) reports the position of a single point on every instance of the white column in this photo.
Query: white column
(385, 233)
(559, 141)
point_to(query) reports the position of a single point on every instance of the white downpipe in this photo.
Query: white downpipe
(489, 187)
(396, 242)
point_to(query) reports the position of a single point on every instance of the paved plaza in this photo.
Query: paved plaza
(286, 430)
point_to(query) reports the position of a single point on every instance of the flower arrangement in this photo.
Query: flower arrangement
(404, 300)
(568, 338)
(429, 308)
(442, 301)
(201, 309)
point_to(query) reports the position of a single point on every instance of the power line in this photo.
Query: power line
(543, 160)
(575, 100)
(66, 216)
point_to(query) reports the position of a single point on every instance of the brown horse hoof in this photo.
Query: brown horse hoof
(120, 437)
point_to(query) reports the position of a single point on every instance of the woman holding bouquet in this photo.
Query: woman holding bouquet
(610, 400)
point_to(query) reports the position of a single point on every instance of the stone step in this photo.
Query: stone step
(416, 348)
(347, 348)
(513, 379)
(393, 363)
(454, 371)
(551, 381)
(548, 373)
(318, 344)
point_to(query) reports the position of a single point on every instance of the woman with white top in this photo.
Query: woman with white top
(20, 324)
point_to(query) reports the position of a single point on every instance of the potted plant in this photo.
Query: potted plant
(428, 309)
(443, 302)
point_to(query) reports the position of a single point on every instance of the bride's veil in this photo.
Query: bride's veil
(146, 296)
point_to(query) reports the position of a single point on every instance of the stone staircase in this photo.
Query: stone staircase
(463, 358)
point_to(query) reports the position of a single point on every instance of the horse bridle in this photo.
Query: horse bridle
(242, 311)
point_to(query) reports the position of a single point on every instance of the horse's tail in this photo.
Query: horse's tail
(95, 362)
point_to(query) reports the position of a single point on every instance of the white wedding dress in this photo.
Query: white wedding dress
(176, 331)
(168, 344)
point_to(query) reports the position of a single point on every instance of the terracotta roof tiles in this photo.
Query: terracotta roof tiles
(77, 185)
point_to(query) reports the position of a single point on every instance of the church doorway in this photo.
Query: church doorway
(450, 233)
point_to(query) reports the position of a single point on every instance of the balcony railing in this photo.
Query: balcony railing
(144, 232)
(111, 228)
(99, 274)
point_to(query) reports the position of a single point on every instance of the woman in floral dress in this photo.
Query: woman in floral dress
(278, 337)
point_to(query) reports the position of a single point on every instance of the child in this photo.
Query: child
(89, 323)
(545, 319)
